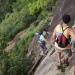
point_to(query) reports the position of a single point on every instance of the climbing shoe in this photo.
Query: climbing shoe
(59, 66)
(66, 64)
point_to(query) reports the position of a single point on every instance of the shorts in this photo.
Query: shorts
(43, 46)
(66, 53)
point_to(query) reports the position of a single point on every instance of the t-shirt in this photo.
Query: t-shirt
(41, 39)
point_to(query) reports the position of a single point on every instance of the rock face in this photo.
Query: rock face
(49, 65)
(34, 47)
(64, 7)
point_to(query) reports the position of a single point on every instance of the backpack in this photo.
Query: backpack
(61, 40)
(37, 36)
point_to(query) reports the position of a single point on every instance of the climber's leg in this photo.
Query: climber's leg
(67, 54)
(59, 56)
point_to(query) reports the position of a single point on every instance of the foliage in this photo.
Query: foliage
(16, 61)
(37, 6)
(18, 15)
(15, 23)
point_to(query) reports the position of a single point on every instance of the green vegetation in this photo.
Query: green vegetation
(29, 15)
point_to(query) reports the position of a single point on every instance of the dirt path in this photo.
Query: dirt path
(49, 66)
(11, 44)
(45, 65)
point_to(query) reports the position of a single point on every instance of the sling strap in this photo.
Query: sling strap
(65, 28)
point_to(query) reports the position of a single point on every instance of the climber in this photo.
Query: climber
(42, 41)
(62, 36)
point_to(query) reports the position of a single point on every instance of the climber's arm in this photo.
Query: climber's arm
(54, 36)
(72, 33)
